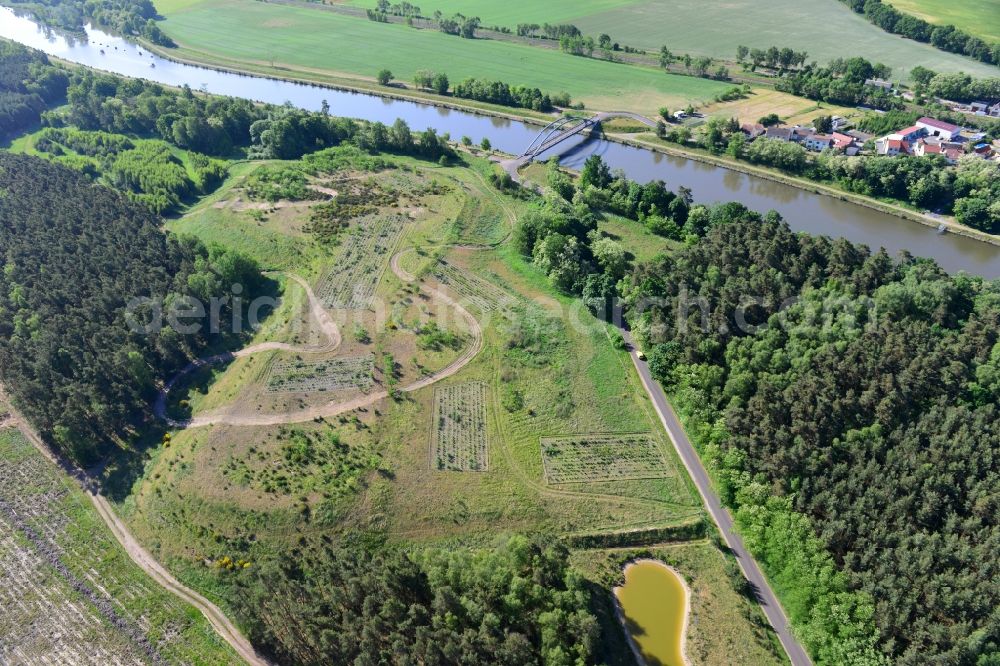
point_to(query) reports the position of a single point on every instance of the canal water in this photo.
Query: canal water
(804, 211)
(654, 604)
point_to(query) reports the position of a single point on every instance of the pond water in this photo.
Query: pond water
(654, 605)
(803, 210)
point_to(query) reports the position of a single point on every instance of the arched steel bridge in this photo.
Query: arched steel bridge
(567, 126)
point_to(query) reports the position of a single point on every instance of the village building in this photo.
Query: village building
(939, 128)
(817, 142)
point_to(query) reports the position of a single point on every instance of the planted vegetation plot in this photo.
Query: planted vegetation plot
(350, 284)
(581, 458)
(479, 292)
(352, 372)
(69, 594)
(460, 440)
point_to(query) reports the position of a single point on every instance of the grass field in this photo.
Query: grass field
(977, 17)
(791, 109)
(70, 593)
(244, 493)
(826, 29)
(301, 38)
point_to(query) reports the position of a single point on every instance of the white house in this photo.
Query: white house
(938, 128)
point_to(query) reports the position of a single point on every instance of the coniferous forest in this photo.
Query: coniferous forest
(867, 403)
(517, 604)
(75, 254)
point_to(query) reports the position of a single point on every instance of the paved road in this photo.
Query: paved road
(765, 595)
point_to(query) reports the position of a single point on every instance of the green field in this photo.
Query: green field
(826, 29)
(306, 39)
(977, 17)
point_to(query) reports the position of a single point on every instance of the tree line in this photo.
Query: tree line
(842, 82)
(772, 57)
(944, 37)
(135, 18)
(28, 84)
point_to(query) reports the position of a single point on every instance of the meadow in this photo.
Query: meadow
(826, 30)
(977, 17)
(215, 499)
(306, 40)
(791, 109)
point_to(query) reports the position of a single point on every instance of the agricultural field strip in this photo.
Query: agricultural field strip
(459, 441)
(43, 621)
(37, 517)
(473, 289)
(351, 282)
(336, 374)
(602, 457)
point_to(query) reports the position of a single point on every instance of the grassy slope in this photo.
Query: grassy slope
(304, 38)
(977, 17)
(826, 29)
(187, 506)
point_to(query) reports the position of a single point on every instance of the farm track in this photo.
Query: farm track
(226, 630)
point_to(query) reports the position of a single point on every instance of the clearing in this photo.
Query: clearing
(603, 457)
(791, 109)
(70, 594)
(250, 484)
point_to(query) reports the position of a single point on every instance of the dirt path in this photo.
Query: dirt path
(142, 558)
(332, 408)
(326, 324)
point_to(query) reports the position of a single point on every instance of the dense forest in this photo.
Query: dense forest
(830, 385)
(75, 255)
(846, 402)
(519, 603)
(28, 84)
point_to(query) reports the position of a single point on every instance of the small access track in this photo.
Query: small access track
(226, 630)
(332, 332)
(330, 328)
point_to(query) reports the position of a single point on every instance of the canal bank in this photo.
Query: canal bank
(357, 85)
(950, 224)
